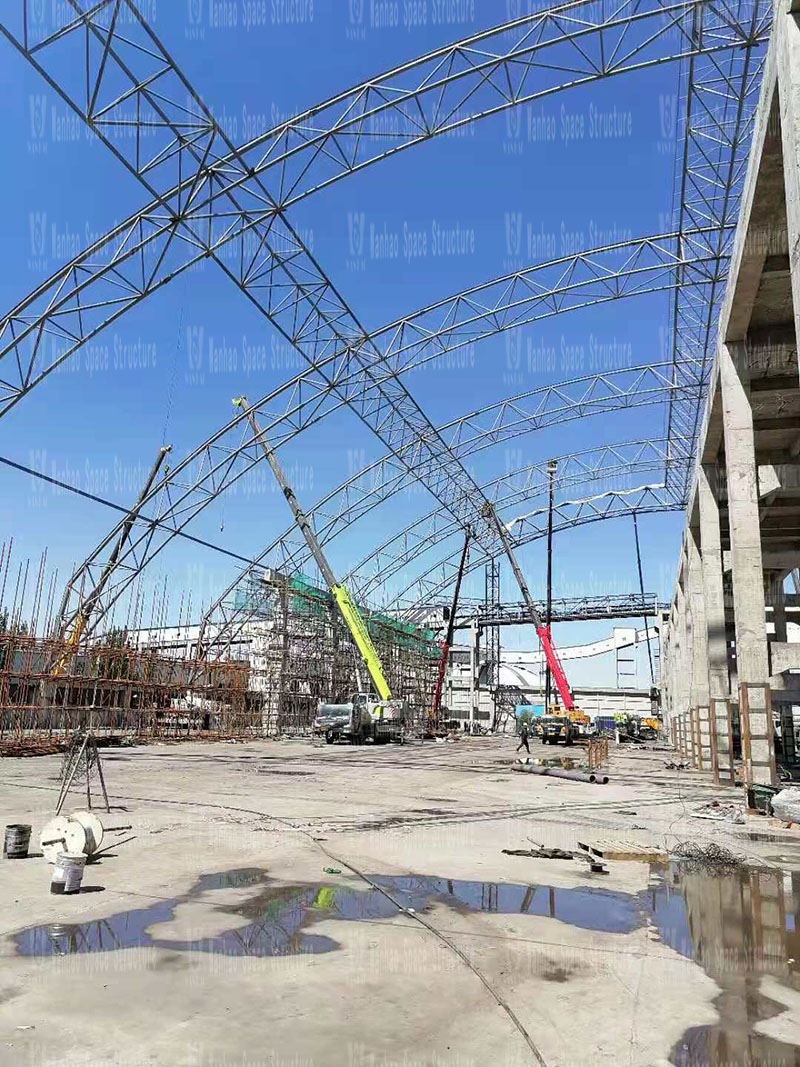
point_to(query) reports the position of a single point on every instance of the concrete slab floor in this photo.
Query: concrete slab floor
(217, 937)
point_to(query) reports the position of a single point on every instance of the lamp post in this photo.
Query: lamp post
(552, 467)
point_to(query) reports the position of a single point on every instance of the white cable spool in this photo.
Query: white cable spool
(92, 827)
(61, 834)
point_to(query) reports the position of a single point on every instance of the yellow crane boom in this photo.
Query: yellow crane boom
(346, 604)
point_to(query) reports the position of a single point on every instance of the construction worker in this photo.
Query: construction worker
(523, 738)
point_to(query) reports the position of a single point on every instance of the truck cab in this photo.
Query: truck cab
(362, 718)
(562, 725)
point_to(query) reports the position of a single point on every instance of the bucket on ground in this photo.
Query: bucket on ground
(17, 840)
(68, 873)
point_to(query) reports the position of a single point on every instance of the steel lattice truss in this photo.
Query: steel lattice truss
(564, 609)
(124, 76)
(619, 465)
(492, 609)
(642, 500)
(232, 453)
(718, 106)
(209, 198)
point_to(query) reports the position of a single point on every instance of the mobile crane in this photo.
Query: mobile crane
(362, 717)
(572, 722)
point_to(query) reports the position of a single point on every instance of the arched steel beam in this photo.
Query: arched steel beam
(567, 515)
(721, 94)
(496, 423)
(199, 209)
(634, 267)
(286, 285)
(226, 620)
(613, 464)
(222, 460)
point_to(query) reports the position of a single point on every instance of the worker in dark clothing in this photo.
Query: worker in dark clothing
(523, 738)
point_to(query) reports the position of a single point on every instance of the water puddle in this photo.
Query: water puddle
(567, 763)
(742, 928)
(280, 915)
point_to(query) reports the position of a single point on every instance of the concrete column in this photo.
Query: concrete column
(681, 657)
(687, 659)
(664, 675)
(714, 603)
(700, 690)
(746, 565)
(779, 609)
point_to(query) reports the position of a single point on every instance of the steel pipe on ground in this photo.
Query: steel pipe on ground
(559, 772)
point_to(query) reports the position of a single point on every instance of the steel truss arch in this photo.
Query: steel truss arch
(281, 279)
(187, 145)
(231, 453)
(719, 97)
(496, 423)
(226, 619)
(636, 267)
(641, 500)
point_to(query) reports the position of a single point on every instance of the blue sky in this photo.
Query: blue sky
(98, 422)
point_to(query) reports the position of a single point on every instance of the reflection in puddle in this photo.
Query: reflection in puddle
(567, 763)
(740, 928)
(279, 914)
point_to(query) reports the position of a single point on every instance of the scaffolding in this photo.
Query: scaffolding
(156, 682)
(301, 652)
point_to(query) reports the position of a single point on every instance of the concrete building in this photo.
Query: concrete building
(731, 652)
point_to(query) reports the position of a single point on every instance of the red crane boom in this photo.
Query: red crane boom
(542, 630)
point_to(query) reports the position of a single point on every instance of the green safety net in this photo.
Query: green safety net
(309, 599)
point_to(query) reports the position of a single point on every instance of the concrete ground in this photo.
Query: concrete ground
(441, 985)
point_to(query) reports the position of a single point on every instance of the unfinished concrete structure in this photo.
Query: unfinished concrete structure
(726, 656)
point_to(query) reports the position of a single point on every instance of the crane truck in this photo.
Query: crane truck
(556, 724)
(362, 717)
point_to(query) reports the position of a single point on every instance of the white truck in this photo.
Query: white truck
(361, 719)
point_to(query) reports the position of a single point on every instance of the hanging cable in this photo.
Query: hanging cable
(118, 507)
(641, 592)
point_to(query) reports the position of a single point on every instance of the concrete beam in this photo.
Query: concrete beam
(778, 478)
(786, 34)
(755, 230)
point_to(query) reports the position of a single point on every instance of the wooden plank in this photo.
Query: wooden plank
(624, 850)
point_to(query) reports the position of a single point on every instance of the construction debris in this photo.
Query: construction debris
(539, 853)
(711, 858)
(719, 812)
